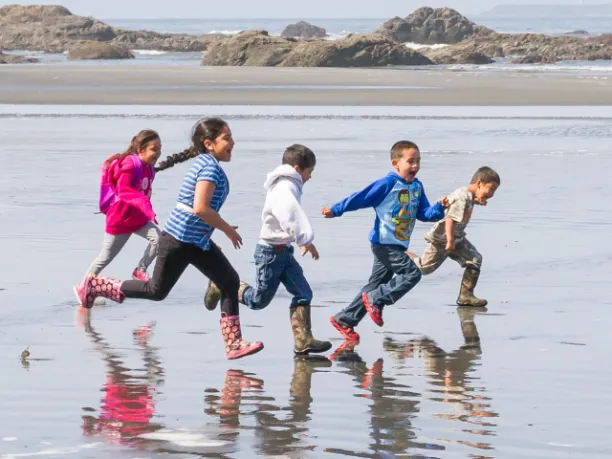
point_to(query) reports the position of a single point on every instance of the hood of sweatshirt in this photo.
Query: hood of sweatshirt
(283, 171)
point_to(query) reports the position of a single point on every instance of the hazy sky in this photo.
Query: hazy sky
(269, 8)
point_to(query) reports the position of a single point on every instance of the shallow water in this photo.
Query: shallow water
(411, 389)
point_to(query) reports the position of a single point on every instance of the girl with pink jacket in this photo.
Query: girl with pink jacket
(125, 198)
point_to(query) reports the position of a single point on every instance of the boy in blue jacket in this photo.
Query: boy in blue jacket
(398, 200)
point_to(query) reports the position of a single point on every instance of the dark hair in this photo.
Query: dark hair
(139, 142)
(300, 156)
(397, 150)
(486, 175)
(204, 129)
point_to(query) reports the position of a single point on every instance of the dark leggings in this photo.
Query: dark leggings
(173, 257)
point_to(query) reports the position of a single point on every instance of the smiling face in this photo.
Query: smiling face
(221, 146)
(484, 191)
(408, 164)
(151, 152)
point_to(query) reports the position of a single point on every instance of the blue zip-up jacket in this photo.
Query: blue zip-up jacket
(397, 203)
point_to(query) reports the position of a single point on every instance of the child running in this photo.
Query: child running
(186, 239)
(399, 200)
(284, 223)
(125, 198)
(448, 239)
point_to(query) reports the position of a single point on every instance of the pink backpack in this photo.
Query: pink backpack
(107, 193)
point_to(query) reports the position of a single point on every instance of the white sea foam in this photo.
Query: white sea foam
(225, 32)
(149, 52)
(416, 46)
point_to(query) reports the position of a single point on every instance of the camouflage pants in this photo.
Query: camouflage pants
(465, 254)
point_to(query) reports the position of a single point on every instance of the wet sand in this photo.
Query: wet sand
(115, 84)
(535, 385)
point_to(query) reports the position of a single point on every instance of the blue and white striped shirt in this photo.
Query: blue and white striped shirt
(185, 226)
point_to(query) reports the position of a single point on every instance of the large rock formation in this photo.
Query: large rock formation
(14, 59)
(47, 28)
(538, 48)
(250, 48)
(144, 39)
(98, 50)
(303, 30)
(453, 56)
(429, 26)
(55, 29)
(257, 48)
(353, 51)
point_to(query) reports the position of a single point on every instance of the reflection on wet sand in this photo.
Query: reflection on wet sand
(394, 406)
(283, 430)
(452, 376)
(278, 430)
(128, 404)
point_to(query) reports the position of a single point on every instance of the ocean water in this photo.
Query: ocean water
(338, 28)
(534, 387)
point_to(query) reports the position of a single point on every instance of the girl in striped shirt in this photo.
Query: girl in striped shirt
(186, 238)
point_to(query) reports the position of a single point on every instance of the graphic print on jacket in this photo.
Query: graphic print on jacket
(398, 213)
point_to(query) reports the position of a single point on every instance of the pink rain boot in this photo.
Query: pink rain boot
(94, 287)
(235, 347)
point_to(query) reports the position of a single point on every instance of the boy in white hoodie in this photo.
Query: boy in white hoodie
(284, 223)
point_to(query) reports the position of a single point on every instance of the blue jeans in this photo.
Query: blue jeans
(276, 265)
(383, 288)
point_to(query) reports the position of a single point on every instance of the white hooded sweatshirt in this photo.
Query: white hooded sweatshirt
(284, 220)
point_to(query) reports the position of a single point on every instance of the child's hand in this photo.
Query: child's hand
(233, 236)
(310, 248)
(327, 212)
(444, 201)
(450, 245)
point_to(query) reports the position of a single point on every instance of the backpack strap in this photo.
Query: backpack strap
(137, 171)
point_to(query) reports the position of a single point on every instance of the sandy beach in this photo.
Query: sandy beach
(58, 84)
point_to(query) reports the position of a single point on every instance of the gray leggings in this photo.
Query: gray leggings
(113, 243)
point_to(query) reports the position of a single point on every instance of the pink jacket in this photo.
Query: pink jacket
(133, 208)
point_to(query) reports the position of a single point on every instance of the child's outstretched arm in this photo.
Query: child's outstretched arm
(204, 191)
(370, 196)
(429, 213)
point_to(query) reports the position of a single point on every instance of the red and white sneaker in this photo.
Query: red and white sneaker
(140, 275)
(349, 333)
(373, 311)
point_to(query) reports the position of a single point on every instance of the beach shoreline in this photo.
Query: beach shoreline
(122, 85)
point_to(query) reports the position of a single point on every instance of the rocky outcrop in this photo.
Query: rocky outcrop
(257, 48)
(430, 26)
(55, 29)
(143, 39)
(47, 28)
(536, 58)
(539, 48)
(453, 56)
(13, 59)
(98, 50)
(353, 51)
(603, 39)
(250, 48)
(303, 30)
